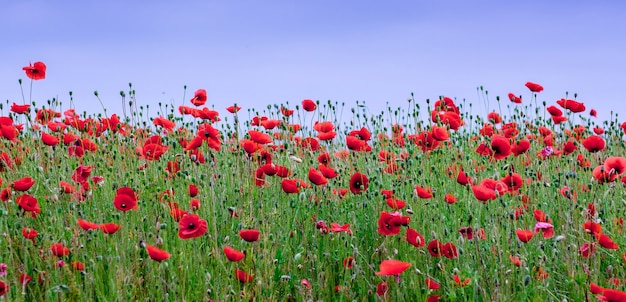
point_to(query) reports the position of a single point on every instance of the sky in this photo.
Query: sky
(258, 53)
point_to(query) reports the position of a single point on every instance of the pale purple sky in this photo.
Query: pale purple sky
(257, 53)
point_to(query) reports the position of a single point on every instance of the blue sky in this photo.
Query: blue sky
(257, 53)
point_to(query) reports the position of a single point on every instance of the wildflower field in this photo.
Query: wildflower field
(311, 201)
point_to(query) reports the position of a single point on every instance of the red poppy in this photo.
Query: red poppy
(515, 99)
(356, 144)
(513, 180)
(389, 223)
(395, 203)
(483, 193)
(290, 186)
(308, 105)
(435, 248)
(358, 183)
(612, 295)
(317, 177)
(35, 71)
(199, 97)
(501, 147)
(424, 192)
(594, 143)
(467, 232)
(243, 277)
(432, 284)
(29, 233)
(23, 184)
(615, 165)
(392, 267)
(328, 172)
(193, 190)
(249, 235)
(494, 117)
(449, 198)
(233, 254)
(524, 235)
(382, 288)
(415, 238)
(194, 204)
(125, 199)
(29, 204)
(449, 250)
(348, 262)
(20, 109)
(572, 105)
(546, 228)
(457, 281)
(157, 254)
(259, 137)
(59, 250)
(4, 288)
(86, 225)
(233, 108)
(606, 242)
(587, 250)
(191, 226)
(592, 228)
(593, 113)
(110, 228)
(78, 266)
(534, 87)
(515, 260)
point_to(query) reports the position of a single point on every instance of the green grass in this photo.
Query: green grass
(291, 248)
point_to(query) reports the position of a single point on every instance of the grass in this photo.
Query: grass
(294, 259)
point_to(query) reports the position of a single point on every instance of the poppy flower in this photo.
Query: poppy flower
(389, 223)
(358, 183)
(157, 254)
(602, 175)
(327, 172)
(249, 235)
(592, 228)
(457, 281)
(524, 235)
(467, 232)
(546, 228)
(606, 242)
(356, 144)
(29, 234)
(424, 192)
(534, 87)
(450, 251)
(199, 97)
(348, 262)
(317, 177)
(382, 288)
(515, 99)
(78, 266)
(435, 248)
(515, 260)
(587, 250)
(35, 71)
(86, 225)
(233, 254)
(242, 276)
(483, 193)
(4, 288)
(308, 105)
(233, 109)
(593, 113)
(501, 147)
(612, 295)
(572, 105)
(193, 190)
(395, 203)
(125, 199)
(23, 184)
(110, 228)
(20, 109)
(259, 137)
(338, 228)
(191, 226)
(59, 250)
(415, 238)
(594, 143)
(449, 198)
(432, 284)
(29, 204)
(615, 165)
(392, 267)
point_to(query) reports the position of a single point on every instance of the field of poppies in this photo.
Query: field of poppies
(311, 201)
